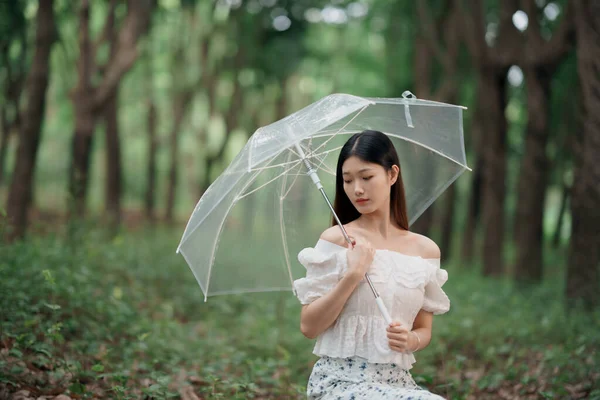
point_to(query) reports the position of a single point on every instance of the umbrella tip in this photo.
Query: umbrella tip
(177, 251)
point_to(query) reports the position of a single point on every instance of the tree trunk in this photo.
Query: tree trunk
(492, 98)
(89, 100)
(180, 106)
(20, 194)
(533, 179)
(84, 118)
(473, 212)
(113, 163)
(561, 216)
(231, 120)
(4, 140)
(10, 116)
(151, 166)
(423, 61)
(447, 222)
(81, 151)
(584, 252)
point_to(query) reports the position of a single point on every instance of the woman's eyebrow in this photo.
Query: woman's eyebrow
(360, 170)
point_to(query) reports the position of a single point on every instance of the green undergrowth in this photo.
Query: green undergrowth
(124, 318)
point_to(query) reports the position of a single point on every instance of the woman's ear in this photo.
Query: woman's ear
(393, 173)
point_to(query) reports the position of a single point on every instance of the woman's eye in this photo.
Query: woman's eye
(347, 182)
(367, 178)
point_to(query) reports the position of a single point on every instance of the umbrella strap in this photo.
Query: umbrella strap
(409, 96)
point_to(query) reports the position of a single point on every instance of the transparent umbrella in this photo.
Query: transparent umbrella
(271, 201)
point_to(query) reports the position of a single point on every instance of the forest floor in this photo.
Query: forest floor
(87, 315)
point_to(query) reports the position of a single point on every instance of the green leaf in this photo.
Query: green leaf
(45, 352)
(52, 306)
(98, 368)
(77, 388)
(16, 352)
(48, 277)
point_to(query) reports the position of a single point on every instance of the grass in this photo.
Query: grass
(123, 318)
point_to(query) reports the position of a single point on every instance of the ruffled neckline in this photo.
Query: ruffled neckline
(328, 243)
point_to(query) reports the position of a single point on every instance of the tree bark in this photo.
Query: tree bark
(492, 64)
(473, 213)
(584, 252)
(10, 116)
(180, 107)
(533, 179)
(423, 61)
(231, 119)
(447, 222)
(151, 166)
(113, 145)
(538, 68)
(492, 96)
(20, 195)
(90, 100)
(113, 163)
(84, 117)
(4, 140)
(442, 49)
(561, 216)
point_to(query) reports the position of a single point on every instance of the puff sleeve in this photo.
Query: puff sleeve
(322, 274)
(436, 300)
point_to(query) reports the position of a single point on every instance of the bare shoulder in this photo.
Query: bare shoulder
(427, 247)
(334, 235)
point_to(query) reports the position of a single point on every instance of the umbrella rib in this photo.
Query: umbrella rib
(263, 185)
(292, 184)
(437, 194)
(342, 128)
(321, 160)
(282, 227)
(412, 141)
(242, 291)
(274, 166)
(214, 249)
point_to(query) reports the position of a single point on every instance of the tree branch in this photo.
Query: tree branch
(508, 47)
(473, 30)
(107, 30)
(136, 23)
(85, 62)
(430, 32)
(562, 40)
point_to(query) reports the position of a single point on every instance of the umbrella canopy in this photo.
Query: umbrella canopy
(246, 230)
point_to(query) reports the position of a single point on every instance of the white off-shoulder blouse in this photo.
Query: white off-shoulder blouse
(405, 283)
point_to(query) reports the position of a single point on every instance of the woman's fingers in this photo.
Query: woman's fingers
(397, 336)
(397, 345)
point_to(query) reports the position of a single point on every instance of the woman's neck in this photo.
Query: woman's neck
(377, 223)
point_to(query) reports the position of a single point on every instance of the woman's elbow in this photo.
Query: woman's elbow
(308, 331)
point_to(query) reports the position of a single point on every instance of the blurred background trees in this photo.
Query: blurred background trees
(126, 110)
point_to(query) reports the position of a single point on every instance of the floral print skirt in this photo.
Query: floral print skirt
(354, 378)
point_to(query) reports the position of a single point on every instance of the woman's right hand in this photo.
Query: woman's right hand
(360, 257)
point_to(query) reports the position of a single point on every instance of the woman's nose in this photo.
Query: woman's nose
(358, 190)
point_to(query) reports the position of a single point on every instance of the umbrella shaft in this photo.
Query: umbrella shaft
(347, 238)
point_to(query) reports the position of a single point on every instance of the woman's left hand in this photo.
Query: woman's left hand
(398, 337)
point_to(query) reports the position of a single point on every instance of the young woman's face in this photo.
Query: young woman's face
(367, 185)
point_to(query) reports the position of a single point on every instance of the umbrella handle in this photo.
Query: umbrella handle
(384, 311)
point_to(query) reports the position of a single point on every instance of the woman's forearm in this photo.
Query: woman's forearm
(317, 316)
(422, 342)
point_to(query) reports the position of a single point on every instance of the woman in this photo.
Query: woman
(361, 356)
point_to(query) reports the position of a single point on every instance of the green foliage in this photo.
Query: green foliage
(125, 319)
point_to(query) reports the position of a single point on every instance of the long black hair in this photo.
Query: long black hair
(372, 147)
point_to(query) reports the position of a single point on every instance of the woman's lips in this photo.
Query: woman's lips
(362, 201)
